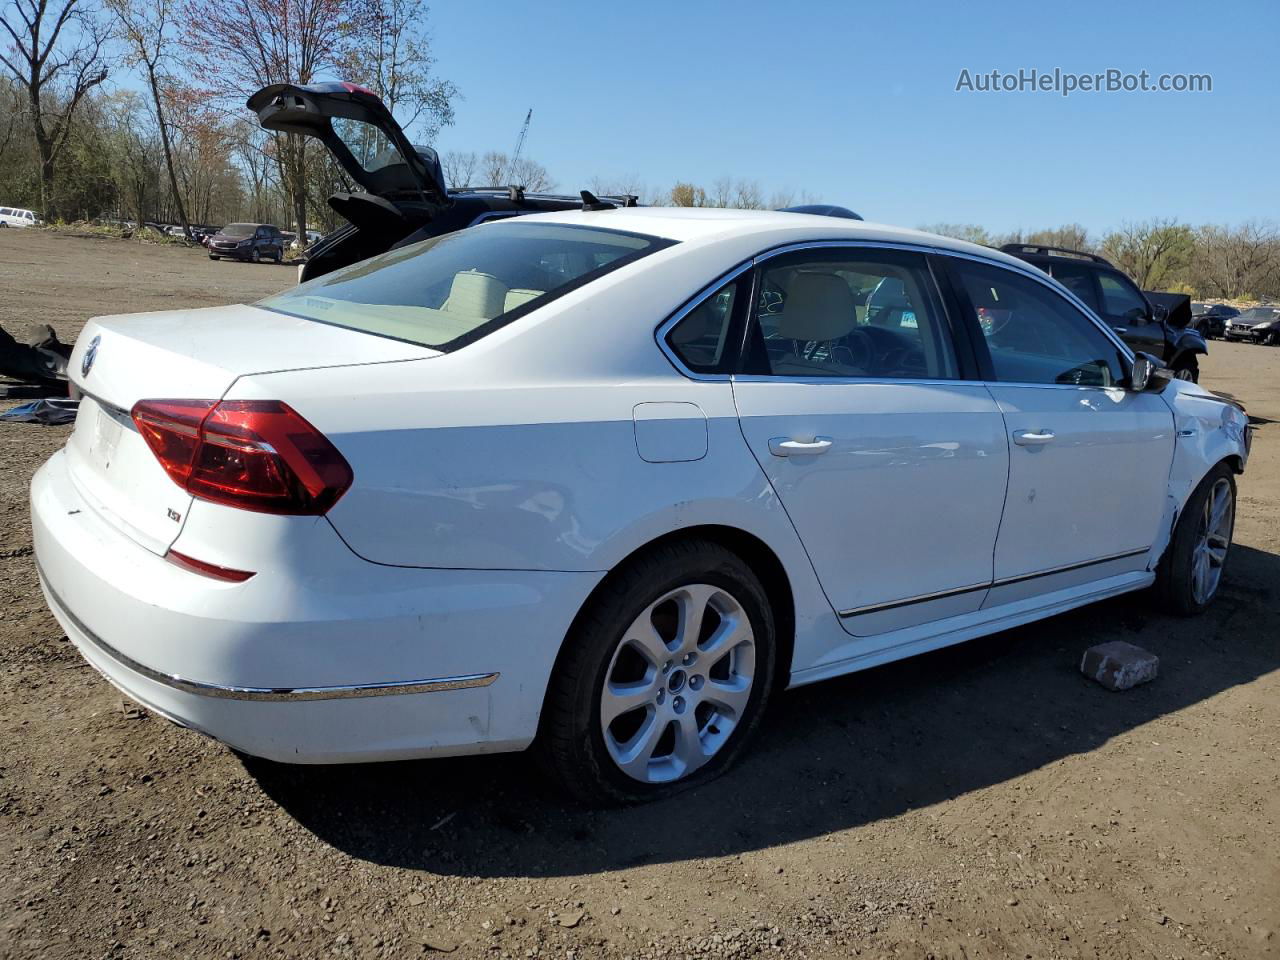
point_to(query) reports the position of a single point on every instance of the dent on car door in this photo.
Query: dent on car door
(891, 466)
(1089, 459)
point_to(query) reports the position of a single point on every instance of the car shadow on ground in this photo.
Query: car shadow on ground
(832, 756)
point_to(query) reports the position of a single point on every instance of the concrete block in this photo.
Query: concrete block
(1118, 665)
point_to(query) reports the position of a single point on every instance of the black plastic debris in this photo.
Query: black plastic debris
(46, 411)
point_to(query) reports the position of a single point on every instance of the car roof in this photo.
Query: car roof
(769, 228)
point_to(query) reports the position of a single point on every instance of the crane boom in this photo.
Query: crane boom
(515, 155)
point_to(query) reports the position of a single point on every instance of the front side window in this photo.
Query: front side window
(849, 313)
(1033, 334)
(1121, 300)
(447, 291)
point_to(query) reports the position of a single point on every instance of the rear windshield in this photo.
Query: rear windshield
(451, 290)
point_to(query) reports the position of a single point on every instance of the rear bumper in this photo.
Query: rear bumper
(329, 660)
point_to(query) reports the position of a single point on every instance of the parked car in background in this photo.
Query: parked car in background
(1211, 318)
(1259, 324)
(1117, 300)
(609, 481)
(18, 217)
(404, 197)
(254, 242)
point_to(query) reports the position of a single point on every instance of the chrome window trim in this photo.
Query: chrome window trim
(1019, 267)
(271, 694)
(991, 585)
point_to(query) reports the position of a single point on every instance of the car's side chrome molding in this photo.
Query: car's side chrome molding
(277, 694)
(1003, 582)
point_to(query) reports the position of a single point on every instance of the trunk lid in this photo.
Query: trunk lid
(191, 354)
(365, 139)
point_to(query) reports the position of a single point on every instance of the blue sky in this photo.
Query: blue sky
(855, 103)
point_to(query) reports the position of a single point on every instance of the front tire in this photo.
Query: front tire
(255, 255)
(1190, 572)
(212, 257)
(1188, 369)
(664, 676)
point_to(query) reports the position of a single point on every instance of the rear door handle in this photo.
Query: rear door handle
(786, 447)
(1031, 438)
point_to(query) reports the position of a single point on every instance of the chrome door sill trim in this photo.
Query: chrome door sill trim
(270, 694)
(1003, 582)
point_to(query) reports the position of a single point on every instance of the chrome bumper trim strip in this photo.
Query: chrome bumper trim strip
(275, 694)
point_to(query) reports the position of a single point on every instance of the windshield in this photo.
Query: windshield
(451, 290)
(1259, 313)
(239, 229)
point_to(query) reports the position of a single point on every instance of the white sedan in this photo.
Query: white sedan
(605, 481)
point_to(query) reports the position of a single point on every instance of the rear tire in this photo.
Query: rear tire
(677, 653)
(1191, 570)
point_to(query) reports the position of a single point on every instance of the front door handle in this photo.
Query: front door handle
(1032, 438)
(786, 447)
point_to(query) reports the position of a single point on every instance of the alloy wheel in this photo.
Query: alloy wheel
(678, 683)
(1213, 539)
(1184, 373)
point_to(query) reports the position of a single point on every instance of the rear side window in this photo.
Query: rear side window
(701, 338)
(448, 291)
(1033, 334)
(849, 313)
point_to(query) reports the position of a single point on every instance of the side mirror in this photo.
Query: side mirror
(1159, 312)
(1145, 373)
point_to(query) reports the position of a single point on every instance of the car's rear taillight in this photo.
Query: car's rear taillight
(254, 454)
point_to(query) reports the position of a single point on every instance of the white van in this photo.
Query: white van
(15, 217)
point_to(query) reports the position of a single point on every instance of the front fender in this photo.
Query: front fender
(1185, 342)
(1208, 430)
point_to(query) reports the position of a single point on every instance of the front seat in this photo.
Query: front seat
(820, 311)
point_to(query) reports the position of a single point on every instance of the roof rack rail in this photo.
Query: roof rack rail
(1046, 249)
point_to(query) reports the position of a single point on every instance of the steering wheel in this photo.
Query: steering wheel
(861, 349)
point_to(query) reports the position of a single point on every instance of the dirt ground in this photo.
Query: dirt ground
(983, 801)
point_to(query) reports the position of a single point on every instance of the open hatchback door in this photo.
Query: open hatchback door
(401, 187)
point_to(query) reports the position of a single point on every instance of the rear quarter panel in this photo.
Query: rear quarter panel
(520, 451)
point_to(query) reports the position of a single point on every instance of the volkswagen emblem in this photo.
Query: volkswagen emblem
(90, 354)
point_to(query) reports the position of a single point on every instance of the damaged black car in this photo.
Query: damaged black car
(402, 196)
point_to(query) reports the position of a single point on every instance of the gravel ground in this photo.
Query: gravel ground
(983, 801)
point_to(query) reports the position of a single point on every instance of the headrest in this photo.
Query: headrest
(519, 296)
(476, 294)
(819, 306)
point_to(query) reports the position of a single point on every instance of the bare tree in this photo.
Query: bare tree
(497, 170)
(459, 168)
(246, 44)
(391, 54)
(58, 55)
(147, 29)
(1235, 262)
